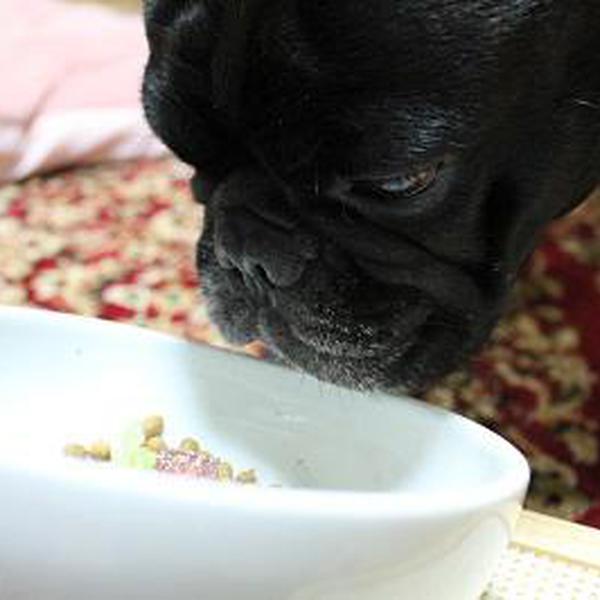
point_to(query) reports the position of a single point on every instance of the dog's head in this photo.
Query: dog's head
(374, 173)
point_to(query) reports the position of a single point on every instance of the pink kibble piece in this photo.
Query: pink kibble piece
(183, 462)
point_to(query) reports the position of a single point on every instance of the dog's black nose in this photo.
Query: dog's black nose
(257, 231)
(265, 255)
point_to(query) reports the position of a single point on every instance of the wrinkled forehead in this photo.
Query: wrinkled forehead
(411, 53)
(423, 68)
(401, 46)
(414, 72)
(409, 41)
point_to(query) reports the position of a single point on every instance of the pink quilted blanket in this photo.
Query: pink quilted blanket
(71, 77)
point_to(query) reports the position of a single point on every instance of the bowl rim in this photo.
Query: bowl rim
(360, 504)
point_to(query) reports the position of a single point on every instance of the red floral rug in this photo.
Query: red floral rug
(117, 242)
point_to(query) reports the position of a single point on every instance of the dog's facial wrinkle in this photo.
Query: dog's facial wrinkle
(377, 88)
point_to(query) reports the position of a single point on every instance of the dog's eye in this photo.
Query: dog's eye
(402, 186)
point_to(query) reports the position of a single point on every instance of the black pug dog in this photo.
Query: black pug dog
(375, 171)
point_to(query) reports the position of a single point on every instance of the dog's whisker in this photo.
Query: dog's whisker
(587, 103)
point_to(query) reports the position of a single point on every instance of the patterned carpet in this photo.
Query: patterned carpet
(117, 241)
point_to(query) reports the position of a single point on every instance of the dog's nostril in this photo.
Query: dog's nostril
(255, 279)
(261, 275)
(268, 274)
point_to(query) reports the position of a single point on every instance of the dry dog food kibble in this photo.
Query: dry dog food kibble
(189, 444)
(248, 476)
(153, 426)
(147, 449)
(155, 443)
(76, 450)
(100, 451)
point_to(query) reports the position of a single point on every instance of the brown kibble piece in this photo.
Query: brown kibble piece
(225, 472)
(248, 476)
(156, 444)
(100, 451)
(153, 426)
(189, 445)
(75, 450)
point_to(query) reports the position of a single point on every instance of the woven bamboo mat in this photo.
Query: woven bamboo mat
(550, 559)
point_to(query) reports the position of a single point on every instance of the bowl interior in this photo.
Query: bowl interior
(69, 379)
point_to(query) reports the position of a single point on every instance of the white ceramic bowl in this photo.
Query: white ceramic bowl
(383, 498)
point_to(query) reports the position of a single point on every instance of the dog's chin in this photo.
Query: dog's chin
(403, 347)
(407, 365)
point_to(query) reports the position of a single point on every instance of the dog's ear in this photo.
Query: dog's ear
(203, 46)
(177, 84)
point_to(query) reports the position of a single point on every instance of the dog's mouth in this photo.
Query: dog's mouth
(340, 298)
(331, 356)
(400, 339)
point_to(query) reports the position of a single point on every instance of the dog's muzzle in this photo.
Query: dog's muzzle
(257, 232)
(325, 289)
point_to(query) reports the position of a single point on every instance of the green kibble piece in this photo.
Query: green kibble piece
(142, 459)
